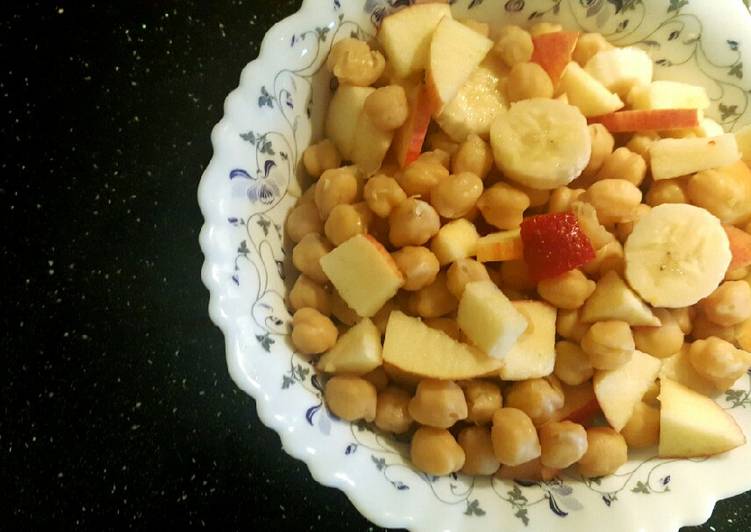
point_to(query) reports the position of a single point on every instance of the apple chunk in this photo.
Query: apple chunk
(648, 120)
(406, 35)
(343, 114)
(671, 158)
(363, 273)
(694, 425)
(580, 404)
(409, 138)
(618, 390)
(740, 247)
(614, 300)
(455, 51)
(668, 95)
(417, 349)
(552, 51)
(533, 355)
(678, 368)
(501, 246)
(586, 93)
(455, 240)
(356, 352)
(489, 319)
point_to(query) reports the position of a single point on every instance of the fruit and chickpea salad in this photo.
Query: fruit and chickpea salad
(522, 252)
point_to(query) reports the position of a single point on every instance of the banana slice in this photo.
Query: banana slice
(676, 255)
(541, 143)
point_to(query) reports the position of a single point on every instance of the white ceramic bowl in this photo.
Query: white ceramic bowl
(250, 185)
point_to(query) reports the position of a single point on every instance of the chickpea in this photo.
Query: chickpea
(623, 230)
(606, 452)
(318, 158)
(334, 188)
(392, 413)
(439, 140)
(503, 206)
(608, 257)
(568, 324)
(532, 470)
(434, 300)
(572, 365)
(528, 80)
(435, 451)
(640, 144)
(588, 45)
(729, 305)
(387, 107)
(609, 344)
(683, 317)
(464, 271)
(302, 220)
(341, 310)
(419, 266)
(662, 341)
(590, 224)
(537, 197)
(624, 164)
(344, 222)
(309, 196)
(456, 195)
(725, 192)
(666, 191)
(353, 63)
(602, 147)
(515, 275)
(568, 290)
(562, 198)
(378, 379)
(719, 361)
(351, 398)
(514, 437)
(473, 155)
(412, 223)
(541, 28)
(643, 428)
(438, 403)
(383, 194)
(307, 293)
(307, 254)
(651, 395)
(615, 200)
(563, 443)
(538, 398)
(419, 178)
(438, 156)
(703, 328)
(478, 450)
(737, 274)
(514, 45)
(446, 325)
(312, 332)
(483, 399)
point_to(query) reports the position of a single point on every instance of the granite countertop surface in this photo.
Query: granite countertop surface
(117, 408)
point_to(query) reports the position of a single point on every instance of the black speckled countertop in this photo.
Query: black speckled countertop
(117, 409)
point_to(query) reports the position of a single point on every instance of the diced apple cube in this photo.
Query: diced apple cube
(370, 145)
(585, 92)
(678, 368)
(408, 139)
(649, 120)
(356, 352)
(743, 139)
(363, 273)
(694, 425)
(344, 112)
(455, 240)
(533, 355)
(621, 69)
(664, 94)
(406, 35)
(671, 158)
(619, 390)
(614, 300)
(489, 319)
(552, 51)
(414, 348)
(501, 246)
(455, 52)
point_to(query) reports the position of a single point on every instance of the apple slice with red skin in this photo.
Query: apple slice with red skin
(409, 138)
(740, 247)
(648, 120)
(580, 404)
(553, 51)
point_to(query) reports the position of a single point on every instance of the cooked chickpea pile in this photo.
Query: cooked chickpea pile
(485, 426)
